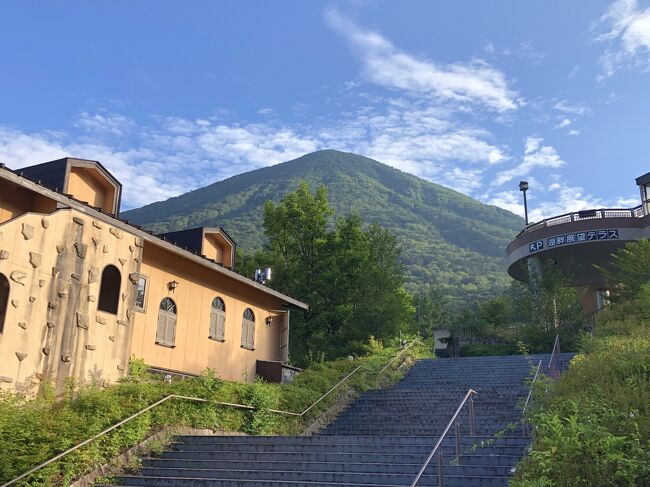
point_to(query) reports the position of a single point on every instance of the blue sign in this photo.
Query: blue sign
(573, 238)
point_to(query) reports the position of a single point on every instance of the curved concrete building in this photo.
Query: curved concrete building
(577, 242)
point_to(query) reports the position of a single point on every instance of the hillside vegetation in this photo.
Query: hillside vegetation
(446, 237)
(593, 426)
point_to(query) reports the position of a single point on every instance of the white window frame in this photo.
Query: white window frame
(146, 294)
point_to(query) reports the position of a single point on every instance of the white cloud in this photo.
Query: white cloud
(566, 199)
(627, 37)
(265, 111)
(169, 160)
(627, 202)
(566, 107)
(111, 123)
(508, 200)
(565, 122)
(175, 155)
(475, 82)
(536, 155)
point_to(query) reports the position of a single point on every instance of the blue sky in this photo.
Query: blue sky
(474, 95)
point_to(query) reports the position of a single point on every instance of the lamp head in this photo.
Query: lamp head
(523, 185)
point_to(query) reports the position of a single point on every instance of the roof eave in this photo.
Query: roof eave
(10, 175)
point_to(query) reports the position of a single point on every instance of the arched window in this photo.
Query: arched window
(248, 330)
(4, 300)
(109, 290)
(166, 331)
(218, 320)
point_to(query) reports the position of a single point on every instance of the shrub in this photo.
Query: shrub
(593, 428)
(480, 350)
(260, 421)
(32, 431)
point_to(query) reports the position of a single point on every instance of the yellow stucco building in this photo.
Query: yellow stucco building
(82, 291)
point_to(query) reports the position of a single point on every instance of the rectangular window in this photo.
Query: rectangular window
(141, 294)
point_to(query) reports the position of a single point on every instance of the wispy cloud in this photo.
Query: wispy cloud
(627, 34)
(572, 108)
(535, 156)
(565, 122)
(474, 82)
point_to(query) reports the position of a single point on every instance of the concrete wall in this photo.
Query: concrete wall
(197, 287)
(52, 328)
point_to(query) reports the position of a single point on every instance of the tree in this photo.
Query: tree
(549, 305)
(434, 310)
(349, 274)
(631, 269)
(494, 311)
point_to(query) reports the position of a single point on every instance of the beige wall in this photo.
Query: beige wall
(197, 287)
(84, 184)
(52, 328)
(216, 247)
(21, 201)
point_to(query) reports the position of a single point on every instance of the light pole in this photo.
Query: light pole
(523, 187)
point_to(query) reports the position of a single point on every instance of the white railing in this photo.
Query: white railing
(195, 399)
(636, 212)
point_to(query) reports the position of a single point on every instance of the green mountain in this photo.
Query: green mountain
(447, 238)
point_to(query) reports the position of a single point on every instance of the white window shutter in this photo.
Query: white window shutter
(160, 330)
(214, 318)
(221, 326)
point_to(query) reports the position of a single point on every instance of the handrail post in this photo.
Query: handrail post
(187, 398)
(471, 417)
(457, 431)
(442, 437)
(441, 474)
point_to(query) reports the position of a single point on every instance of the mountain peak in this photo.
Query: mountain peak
(446, 237)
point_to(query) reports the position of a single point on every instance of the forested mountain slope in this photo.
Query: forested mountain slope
(447, 238)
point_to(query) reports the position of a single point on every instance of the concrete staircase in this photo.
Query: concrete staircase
(383, 438)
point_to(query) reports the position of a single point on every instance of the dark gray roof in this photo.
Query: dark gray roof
(645, 179)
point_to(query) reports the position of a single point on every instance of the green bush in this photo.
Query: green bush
(263, 397)
(35, 430)
(481, 350)
(593, 428)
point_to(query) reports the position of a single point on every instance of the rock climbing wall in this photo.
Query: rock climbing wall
(52, 328)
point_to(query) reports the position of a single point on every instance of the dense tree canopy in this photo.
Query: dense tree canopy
(350, 275)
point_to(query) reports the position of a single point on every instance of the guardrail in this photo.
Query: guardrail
(441, 474)
(603, 213)
(195, 399)
(524, 424)
(553, 372)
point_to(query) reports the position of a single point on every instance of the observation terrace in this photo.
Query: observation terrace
(577, 242)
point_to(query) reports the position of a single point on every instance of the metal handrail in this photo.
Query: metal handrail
(602, 213)
(289, 413)
(108, 430)
(197, 399)
(530, 393)
(470, 392)
(554, 373)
